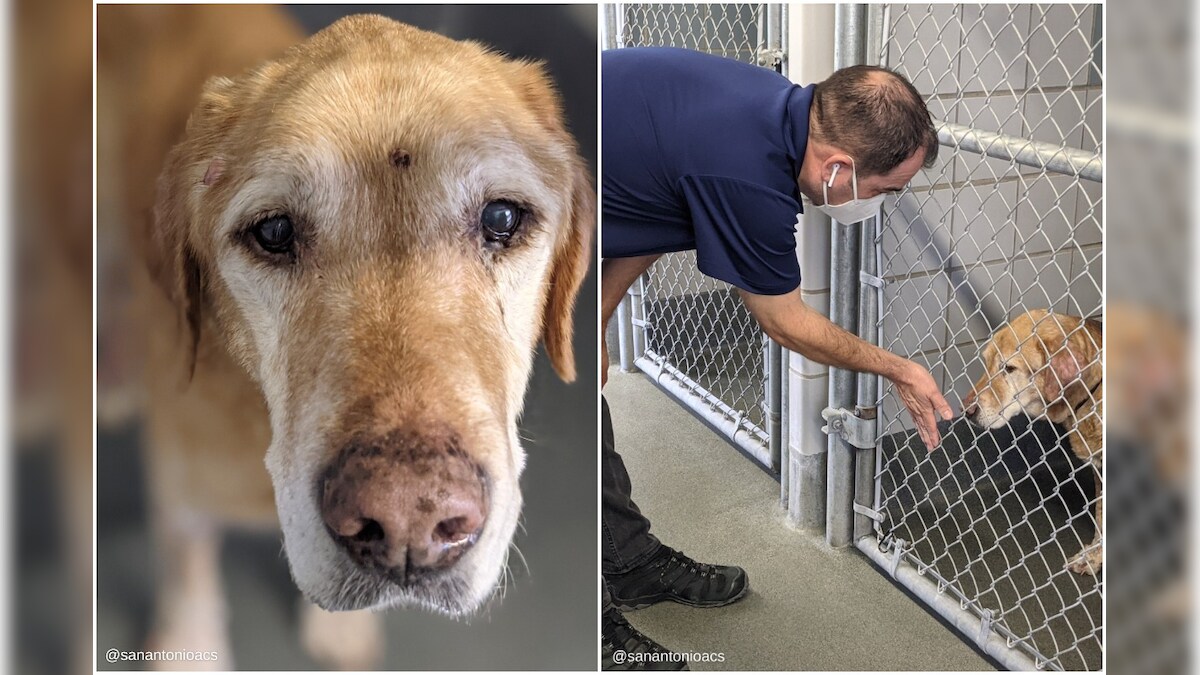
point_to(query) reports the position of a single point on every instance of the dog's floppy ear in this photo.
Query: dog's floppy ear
(173, 262)
(1068, 349)
(569, 267)
(572, 254)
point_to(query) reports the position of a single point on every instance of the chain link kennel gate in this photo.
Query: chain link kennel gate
(689, 333)
(1009, 220)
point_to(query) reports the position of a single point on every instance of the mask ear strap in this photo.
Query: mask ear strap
(854, 177)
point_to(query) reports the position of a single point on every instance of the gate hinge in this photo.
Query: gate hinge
(869, 512)
(854, 430)
(870, 280)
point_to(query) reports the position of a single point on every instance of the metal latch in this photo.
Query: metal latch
(854, 430)
(770, 58)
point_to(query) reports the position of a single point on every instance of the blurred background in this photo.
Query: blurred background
(547, 618)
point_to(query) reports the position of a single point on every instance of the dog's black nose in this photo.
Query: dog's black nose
(402, 504)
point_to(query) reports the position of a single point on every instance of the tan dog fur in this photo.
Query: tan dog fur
(393, 314)
(1050, 365)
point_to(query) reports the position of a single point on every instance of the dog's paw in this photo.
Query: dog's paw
(1088, 562)
(342, 640)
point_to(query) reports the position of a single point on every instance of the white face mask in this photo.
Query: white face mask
(853, 211)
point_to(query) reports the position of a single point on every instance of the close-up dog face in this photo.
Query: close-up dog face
(380, 226)
(1029, 365)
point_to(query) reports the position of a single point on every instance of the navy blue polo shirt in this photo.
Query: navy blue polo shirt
(702, 152)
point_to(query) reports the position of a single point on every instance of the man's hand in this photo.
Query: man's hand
(800, 328)
(924, 400)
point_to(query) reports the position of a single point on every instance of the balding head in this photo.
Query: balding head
(876, 116)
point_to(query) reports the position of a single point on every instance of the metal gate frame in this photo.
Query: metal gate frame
(762, 443)
(855, 487)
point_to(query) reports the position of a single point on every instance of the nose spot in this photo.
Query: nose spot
(400, 158)
(404, 504)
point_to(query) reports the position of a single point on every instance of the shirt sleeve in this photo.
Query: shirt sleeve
(745, 233)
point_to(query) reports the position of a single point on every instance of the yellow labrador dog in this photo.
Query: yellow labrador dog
(1049, 365)
(354, 251)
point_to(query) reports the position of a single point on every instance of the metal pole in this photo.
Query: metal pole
(625, 334)
(775, 377)
(785, 432)
(612, 25)
(637, 316)
(1056, 158)
(868, 393)
(849, 47)
(948, 607)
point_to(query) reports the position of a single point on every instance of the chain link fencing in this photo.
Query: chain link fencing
(690, 333)
(1009, 220)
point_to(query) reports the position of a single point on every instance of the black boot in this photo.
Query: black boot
(623, 647)
(671, 575)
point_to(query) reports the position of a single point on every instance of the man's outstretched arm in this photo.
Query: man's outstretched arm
(800, 328)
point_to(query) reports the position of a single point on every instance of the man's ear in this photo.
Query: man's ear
(568, 269)
(190, 167)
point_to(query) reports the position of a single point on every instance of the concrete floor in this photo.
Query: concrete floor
(810, 608)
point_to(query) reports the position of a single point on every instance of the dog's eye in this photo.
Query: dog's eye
(1010, 368)
(500, 220)
(275, 234)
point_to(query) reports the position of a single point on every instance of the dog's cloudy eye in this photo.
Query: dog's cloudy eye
(500, 220)
(275, 234)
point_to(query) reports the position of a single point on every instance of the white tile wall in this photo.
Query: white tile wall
(963, 368)
(1056, 48)
(1041, 282)
(1046, 214)
(983, 226)
(994, 59)
(1089, 213)
(1056, 116)
(1087, 272)
(916, 230)
(916, 305)
(1093, 131)
(925, 48)
(977, 293)
(998, 112)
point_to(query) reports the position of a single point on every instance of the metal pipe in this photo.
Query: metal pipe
(625, 334)
(949, 608)
(637, 316)
(753, 441)
(849, 48)
(843, 296)
(785, 426)
(1055, 158)
(867, 395)
(775, 377)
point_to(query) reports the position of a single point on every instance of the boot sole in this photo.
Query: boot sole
(633, 604)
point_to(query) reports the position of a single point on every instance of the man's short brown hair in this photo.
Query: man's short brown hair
(876, 116)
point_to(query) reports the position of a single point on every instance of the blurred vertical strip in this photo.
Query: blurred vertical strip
(1149, 173)
(50, 247)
